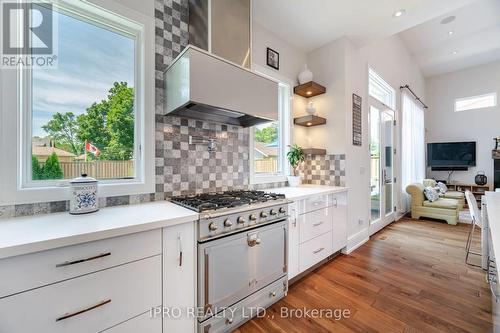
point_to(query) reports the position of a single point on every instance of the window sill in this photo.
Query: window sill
(263, 179)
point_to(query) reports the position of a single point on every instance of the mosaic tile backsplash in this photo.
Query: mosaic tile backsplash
(181, 168)
(324, 170)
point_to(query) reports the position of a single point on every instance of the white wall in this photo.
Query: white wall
(292, 60)
(443, 124)
(343, 69)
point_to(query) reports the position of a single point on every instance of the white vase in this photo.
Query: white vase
(293, 181)
(310, 109)
(305, 76)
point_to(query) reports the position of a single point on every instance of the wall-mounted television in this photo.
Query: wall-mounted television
(448, 156)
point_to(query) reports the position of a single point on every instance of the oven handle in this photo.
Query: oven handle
(285, 259)
(206, 284)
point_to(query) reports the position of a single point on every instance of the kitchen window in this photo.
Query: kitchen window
(91, 113)
(269, 142)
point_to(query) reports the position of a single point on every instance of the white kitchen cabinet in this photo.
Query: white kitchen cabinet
(315, 250)
(143, 323)
(89, 303)
(179, 277)
(315, 223)
(339, 220)
(293, 241)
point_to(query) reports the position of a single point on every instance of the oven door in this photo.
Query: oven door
(233, 267)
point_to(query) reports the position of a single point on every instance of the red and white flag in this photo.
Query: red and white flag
(92, 149)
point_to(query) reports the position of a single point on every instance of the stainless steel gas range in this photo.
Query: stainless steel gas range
(242, 255)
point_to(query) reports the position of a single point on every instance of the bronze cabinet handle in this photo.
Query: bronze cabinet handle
(69, 315)
(79, 261)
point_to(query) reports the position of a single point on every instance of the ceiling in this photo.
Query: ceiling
(309, 24)
(475, 39)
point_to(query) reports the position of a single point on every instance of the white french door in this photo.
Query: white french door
(382, 172)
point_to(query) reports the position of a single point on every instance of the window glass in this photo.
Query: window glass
(82, 113)
(266, 148)
(476, 102)
(381, 90)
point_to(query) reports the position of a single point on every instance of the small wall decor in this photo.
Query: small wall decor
(356, 120)
(273, 59)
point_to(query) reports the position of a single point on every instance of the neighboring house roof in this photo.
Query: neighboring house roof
(47, 151)
(265, 149)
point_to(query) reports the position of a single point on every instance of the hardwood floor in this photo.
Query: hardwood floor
(410, 277)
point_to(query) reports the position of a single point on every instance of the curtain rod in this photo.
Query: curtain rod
(414, 95)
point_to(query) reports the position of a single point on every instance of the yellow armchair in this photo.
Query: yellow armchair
(442, 209)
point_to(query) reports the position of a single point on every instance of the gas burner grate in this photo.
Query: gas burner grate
(213, 201)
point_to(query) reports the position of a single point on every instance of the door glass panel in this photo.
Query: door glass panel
(388, 126)
(375, 163)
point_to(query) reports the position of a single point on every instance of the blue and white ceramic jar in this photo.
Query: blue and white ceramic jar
(83, 195)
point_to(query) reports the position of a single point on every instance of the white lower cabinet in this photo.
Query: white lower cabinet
(318, 228)
(179, 278)
(143, 323)
(293, 242)
(89, 303)
(339, 220)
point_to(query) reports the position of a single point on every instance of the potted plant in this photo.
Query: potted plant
(295, 155)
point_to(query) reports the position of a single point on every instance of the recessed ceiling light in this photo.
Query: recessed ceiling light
(399, 13)
(455, 52)
(448, 19)
(451, 32)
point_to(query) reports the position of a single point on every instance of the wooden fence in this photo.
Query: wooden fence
(266, 165)
(98, 169)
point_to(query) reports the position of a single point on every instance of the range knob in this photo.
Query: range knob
(241, 220)
(282, 210)
(273, 212)
(252, 217)
(228, 223)
(263, 214)
(213, 226)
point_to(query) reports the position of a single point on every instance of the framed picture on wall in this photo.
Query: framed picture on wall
(273, 59)
(356, 121)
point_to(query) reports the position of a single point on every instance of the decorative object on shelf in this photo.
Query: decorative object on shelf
(83, 195)
(305, 76)
(273, 59)
(309, 89)
(311, 109)
(497, 141)
(357, 127)
(481, 178)
(295, 156)
(309, 121)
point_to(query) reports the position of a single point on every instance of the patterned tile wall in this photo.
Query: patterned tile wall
(324, 170)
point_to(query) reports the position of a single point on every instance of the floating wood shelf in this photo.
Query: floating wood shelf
(309, 121)
(314, 151)
(309, 89)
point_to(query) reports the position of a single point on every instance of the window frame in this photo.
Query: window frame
(461, 99)
(22, 189)
(284, 127)
(379, 82)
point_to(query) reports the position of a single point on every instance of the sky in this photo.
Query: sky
(90, 60)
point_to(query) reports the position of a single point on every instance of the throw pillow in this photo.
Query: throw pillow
(442, 187)
(431, 194)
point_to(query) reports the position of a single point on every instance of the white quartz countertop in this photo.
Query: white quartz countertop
(304, 191)
(493, 209)
(22, 235)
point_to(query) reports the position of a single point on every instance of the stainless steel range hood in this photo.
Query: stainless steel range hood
(204, 86)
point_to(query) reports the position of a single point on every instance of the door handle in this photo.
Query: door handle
(98, 305)
(317, 224)
(319, 250)
(79, 261)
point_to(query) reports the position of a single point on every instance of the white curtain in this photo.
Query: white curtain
(413, 145)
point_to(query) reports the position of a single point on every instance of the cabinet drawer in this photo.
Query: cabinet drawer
(30, 271)
(315, 223)
(89, 303)
(315, 250)
(316, 202)
(143, 323)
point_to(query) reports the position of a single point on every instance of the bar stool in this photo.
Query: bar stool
(476, 221)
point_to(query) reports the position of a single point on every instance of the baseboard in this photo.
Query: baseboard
(356, 240)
